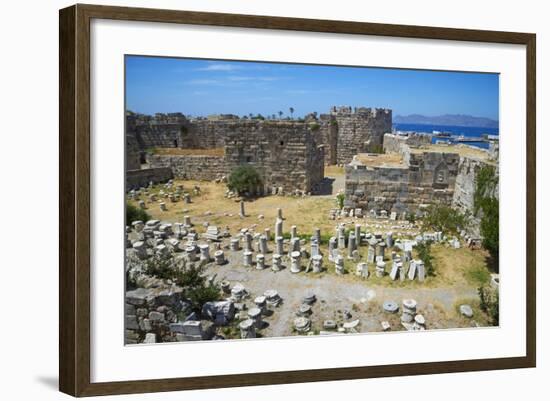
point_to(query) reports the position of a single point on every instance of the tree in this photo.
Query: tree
(291, 109)
(244, 179)
(280, 114)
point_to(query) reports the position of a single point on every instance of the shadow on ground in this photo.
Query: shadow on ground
(49, 381)
(325, 187)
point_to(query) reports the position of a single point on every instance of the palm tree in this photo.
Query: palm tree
(291, 109)
(280, 114)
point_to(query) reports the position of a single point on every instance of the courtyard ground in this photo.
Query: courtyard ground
(458, 272)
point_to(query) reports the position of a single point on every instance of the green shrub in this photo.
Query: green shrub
(477, 275)
(314, 127)
(163, 267)
(134, 213)
(424, 250)
(489, 303)
(411, 217)
(340, 200)
(489, 227)
(486, 182)
(445, 219)
(196, 287)
(190, 278)
(487, 205)
(244, 179)
(201, 294)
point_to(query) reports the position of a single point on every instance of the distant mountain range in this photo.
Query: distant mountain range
(460, 120)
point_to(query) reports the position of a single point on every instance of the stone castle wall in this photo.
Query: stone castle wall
(133, 158)
(463, 197)
(196, 167)
(328, 136)
(360, 131)
(425, 178)
(398, 143)
(285, 153)
(391, 189)
(141, 178)
(158, 131)
(344, 132)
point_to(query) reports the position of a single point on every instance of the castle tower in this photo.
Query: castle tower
(359, 130)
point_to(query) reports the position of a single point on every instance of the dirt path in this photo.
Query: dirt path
(338, 293)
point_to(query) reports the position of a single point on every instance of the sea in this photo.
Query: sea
(454, 131)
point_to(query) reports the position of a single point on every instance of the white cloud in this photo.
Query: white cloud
(203, 82)
(237, 78)
(219, 67)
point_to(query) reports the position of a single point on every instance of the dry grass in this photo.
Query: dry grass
(381, 160)
(453, 267)
(462, 150)
(333, 170)
(307, 212)
(460, 265)
(189, 152)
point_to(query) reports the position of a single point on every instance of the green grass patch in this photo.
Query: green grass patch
(477, 275)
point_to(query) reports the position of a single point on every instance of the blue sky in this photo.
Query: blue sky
(201, 87)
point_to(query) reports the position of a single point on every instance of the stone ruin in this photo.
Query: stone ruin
(412, 175)
(288, 154)
(158, 312)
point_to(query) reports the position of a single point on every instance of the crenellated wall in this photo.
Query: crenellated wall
(344, 132)
(160, 130)
(285, 153)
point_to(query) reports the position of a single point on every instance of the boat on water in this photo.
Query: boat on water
(441, 134)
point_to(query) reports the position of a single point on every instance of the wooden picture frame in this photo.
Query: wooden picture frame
(74, 199)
